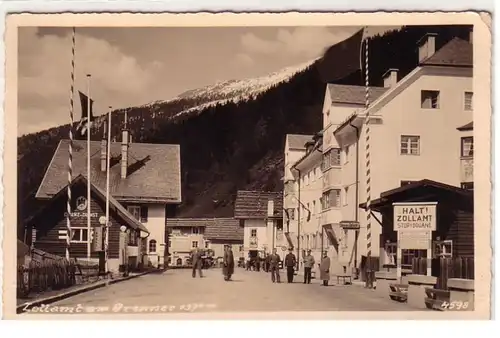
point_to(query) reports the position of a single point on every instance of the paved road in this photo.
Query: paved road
(177, 291)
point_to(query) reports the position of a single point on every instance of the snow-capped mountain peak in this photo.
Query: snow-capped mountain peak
(235, 90)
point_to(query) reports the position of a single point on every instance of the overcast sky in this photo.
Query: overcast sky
(134, 66)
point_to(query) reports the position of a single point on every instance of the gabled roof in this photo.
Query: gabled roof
(468, 126)
(157, 180)
(353, 94)
(253, 204)
(188, 222)
(224, 229)
(298, 141)
(388, 197)
(456, 53)
(114, 205)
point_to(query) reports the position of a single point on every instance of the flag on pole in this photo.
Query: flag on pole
(85, 122)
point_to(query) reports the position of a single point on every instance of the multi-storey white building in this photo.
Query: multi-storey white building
(420, 129)
(414, 132)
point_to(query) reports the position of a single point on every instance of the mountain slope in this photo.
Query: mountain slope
(232, 134)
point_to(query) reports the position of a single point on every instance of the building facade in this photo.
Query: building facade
(50, 230)
(223, 232)
(144, 179)
(184, 236)
(413, 132)
(308, 175)
(420, 129)
(261, 216)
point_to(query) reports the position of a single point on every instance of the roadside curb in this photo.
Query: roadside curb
(28, 305)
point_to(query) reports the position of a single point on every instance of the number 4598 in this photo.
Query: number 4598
(455, 305)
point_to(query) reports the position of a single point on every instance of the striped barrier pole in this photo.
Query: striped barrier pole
(367, 163)
(70, 149)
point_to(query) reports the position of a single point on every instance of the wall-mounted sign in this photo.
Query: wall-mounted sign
(415, 216)
(467, 170)
(77, 214)
(81, 203)
(97, 239)
(416, 240)
(253, 242)
(349, 225)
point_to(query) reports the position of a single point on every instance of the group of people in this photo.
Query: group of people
(290, 263)
(227, 263)
(271, 264)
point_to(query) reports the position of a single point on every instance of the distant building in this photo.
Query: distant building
(184, 236)
(303, 198)
(225, 231)
(144, 179)
(261, 216)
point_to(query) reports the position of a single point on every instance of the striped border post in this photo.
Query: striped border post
(70, 149)
(367, 154)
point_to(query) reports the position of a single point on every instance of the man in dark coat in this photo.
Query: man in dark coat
(228, 267)
(197, 262)
(290, 262)
(274, 264)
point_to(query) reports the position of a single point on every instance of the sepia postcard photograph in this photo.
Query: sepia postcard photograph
(297, 165)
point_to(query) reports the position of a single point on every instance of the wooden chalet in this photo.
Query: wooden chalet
(454, 235)
(51, 232)
(144, 182)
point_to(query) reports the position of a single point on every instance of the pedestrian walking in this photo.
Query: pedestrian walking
(266, 262)
(228, 263)
(308, 265)
(257, 262)
(197, 262)
(274, 262)
(290, 262)
(324, 268)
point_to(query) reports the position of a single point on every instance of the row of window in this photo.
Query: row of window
(429, 99)
(410, 145)
(441, 249)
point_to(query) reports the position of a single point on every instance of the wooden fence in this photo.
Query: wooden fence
(445, 268)
(45, 272)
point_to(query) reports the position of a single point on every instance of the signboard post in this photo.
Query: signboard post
(414, 223)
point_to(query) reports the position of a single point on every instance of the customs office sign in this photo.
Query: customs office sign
(415, 216)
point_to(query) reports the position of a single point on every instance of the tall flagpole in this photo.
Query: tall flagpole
(70, 149)
(108, 156)
(89, 128)
(367, 162)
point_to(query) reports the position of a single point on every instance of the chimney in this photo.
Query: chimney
(390, 78)
(104, 143)
(426, 46)
(270, 208)
(125, 144)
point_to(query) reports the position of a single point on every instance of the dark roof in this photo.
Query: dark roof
(457, 52)
(188, 222)
(157, 180)
(388, 197)
(468, 126)
(253, 204)
(297, 141)
(353, 94)
(114, 205)
(221, 229)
